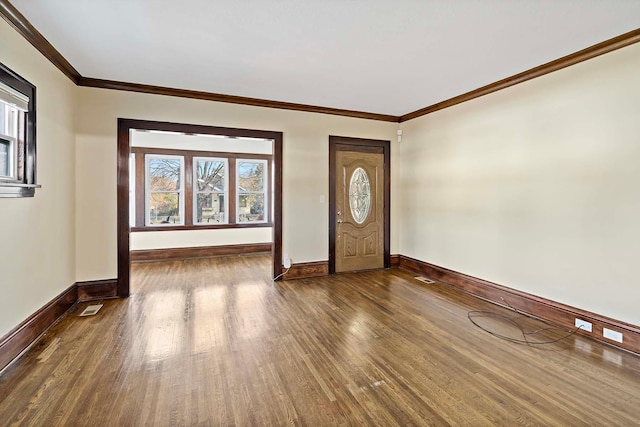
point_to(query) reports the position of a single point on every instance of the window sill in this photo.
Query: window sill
(199, 227)
(11, 189)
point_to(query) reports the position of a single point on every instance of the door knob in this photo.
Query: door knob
(339, 221)
(339, 213)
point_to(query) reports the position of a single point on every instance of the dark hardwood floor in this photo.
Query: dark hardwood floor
(215, 342)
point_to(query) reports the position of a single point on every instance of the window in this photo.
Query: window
(132, 189)
(183, 189)
(164, 190)
(17, 135)
(8, 140)
(251, 190)
(210, 190)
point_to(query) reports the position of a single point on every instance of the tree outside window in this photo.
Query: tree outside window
(251, 190)
(165, 192)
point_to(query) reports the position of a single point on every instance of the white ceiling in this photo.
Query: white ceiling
(380, 56)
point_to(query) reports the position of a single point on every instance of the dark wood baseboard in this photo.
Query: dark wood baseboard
(321, 268)
(307, 269)
(533, 305)
(26, 333)
(395, 261)
(197, 252)
(97, 290)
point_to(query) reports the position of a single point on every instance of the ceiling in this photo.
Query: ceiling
(379, 56)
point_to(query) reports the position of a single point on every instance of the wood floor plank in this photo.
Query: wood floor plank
(214, 341)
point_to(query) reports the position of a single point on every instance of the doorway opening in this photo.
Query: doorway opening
(359, 204)
(196, 188)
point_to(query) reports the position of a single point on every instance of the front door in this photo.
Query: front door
(359, 209)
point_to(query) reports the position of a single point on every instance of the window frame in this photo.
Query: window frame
(265, 190)
(225, 190)
(12, 160)
(11, 137)
(189, 171)
(23, 181)
(148, 191)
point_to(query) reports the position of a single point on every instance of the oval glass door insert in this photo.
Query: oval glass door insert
(359, 195)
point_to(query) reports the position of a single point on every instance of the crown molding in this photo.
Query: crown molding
(33, 36)
(232, 99)
(22, 25)
(566, 61)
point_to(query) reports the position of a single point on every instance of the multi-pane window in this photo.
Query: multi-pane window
(210, 193)
(8, 140)
(6, 155)
(251, 191)
(164, 190)
(182, 188)
(17, 135)
(13, 106)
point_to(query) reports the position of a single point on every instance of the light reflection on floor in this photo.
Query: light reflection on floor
(210, 318)
(160, 330)
(215, 317)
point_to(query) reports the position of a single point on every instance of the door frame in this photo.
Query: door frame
(124, 146)
(335, 145)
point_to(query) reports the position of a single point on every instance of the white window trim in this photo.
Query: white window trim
(13, 141)
(195, 191)
(147, 190)
(13, 98)
(265, 179)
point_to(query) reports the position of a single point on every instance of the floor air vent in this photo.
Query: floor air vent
(424, 279)
(91, 310)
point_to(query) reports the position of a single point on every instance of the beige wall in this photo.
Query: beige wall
(192, 238)
(37, 235)
(535, 187)
(199, 143)
(305, 169)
